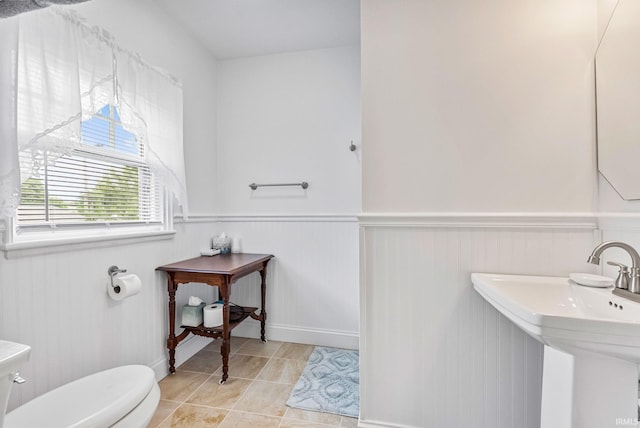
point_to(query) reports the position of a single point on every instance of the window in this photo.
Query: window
(104, 181)
(94, 146)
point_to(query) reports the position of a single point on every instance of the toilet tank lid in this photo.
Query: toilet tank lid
(11, 351)
(100, 399)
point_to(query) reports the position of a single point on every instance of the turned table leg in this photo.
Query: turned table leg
(171, 340)
(226, 333)
(263, 310)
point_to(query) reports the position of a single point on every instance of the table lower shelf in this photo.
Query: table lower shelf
(216, 332)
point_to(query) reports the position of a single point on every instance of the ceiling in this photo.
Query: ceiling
(239, 28)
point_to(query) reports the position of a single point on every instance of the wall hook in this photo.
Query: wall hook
(352, 146)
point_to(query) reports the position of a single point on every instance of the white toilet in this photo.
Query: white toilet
(123, 397)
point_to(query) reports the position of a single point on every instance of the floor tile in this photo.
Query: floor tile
(296, 351)
(348, 422)
(244, 366)
(212, 394)
(261, 377)
(236, 342)
(291, 423)
(309, 416)
(190, 416)
(203, 361)
(164, 409)
(266, 398)
(257, 347)
(282, 371)
(180, 385)
(244, 420)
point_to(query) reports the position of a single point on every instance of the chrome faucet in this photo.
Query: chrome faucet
(634, 271)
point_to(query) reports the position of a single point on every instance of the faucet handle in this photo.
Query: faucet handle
(622, 267)
(622, 281)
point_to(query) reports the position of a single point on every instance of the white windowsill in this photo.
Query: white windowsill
(48, 246)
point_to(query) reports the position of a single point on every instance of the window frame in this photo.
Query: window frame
(49, 236)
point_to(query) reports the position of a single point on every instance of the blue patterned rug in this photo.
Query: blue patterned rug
(330, 383)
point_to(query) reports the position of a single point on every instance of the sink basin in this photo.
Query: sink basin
(592, 346)
(563, 314)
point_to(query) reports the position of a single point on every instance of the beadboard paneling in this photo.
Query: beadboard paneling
(312, 282)
(433, 352)
(57, 303)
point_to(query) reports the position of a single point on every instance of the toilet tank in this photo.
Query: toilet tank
(98, 400)
(12, 357)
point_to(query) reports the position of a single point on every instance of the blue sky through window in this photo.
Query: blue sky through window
(105, 130)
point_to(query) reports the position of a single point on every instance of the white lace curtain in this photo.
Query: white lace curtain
(14, 7)
(57, 71)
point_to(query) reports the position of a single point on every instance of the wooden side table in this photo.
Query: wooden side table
(220, 271)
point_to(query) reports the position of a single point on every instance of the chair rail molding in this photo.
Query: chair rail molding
(267, 217)
(289, 217)
(481, 219)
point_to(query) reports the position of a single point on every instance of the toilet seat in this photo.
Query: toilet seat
(142, 414)
(99, 400)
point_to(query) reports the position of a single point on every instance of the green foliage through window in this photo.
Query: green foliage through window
(104, 181)
(33, 194)
(97, 204)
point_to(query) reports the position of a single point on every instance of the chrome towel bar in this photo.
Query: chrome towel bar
(304, 185)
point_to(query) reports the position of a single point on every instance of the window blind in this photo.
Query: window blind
(105, 181)
(96, 138)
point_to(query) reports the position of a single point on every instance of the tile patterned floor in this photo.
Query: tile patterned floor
(261, 377)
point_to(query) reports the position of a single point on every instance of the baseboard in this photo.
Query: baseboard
(250, 328)
(309, 336)
(379, 424)
(185, 350)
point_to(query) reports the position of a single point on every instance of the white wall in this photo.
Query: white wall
(469, 108)
(475, 106)
(289, 118)
(141, 26)
(286, 117)
(57, 302)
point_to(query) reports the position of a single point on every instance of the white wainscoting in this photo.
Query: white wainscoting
(57, 303)
(433, 352)
(312, 294)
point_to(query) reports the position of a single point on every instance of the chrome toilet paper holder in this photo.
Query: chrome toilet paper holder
(113, 271)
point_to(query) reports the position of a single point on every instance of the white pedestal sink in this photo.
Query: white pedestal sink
(592, 346)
